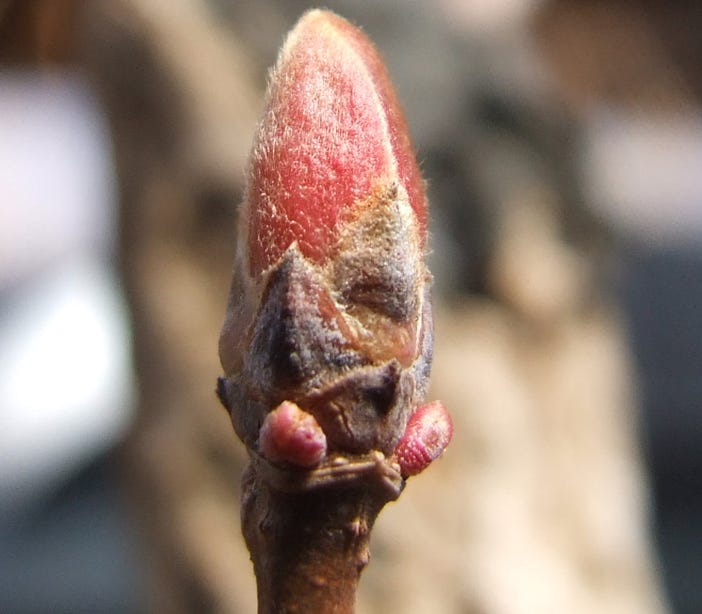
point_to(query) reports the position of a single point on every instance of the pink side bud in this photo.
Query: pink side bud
(332, 136)
(291, 435)
(427, 435)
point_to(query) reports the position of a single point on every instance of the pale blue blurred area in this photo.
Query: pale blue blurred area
(66, 389)
(642, 173)
(56, 176)
(65, 393)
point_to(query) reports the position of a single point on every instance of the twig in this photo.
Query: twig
(328, 339)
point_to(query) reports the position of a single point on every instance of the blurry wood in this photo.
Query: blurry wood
(639, 54)
(540, 504)
(36, 32)
(182, 108)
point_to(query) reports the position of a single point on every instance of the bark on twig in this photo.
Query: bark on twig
(309, 547)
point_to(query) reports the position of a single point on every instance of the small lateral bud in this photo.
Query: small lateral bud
(427, 435)
(291, 435)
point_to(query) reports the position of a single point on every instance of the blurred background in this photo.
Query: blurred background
(562, 143)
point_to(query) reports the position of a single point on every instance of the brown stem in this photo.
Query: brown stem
(309, 543)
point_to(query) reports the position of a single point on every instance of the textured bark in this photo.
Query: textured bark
(309, 548)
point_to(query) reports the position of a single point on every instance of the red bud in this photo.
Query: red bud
(330, 306)
(429, 432)
(332, 134)
(291, 435)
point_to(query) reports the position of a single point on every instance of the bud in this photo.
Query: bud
(329, 310)
(291, 435)
(429, 432)
(332, 138)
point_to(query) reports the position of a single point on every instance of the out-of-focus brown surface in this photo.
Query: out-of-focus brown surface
(38, 31)
(540, 504)
(641, 54)
(181, 106)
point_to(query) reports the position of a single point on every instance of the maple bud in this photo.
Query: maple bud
(329, 308)
(291, 435)
(428, 433)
